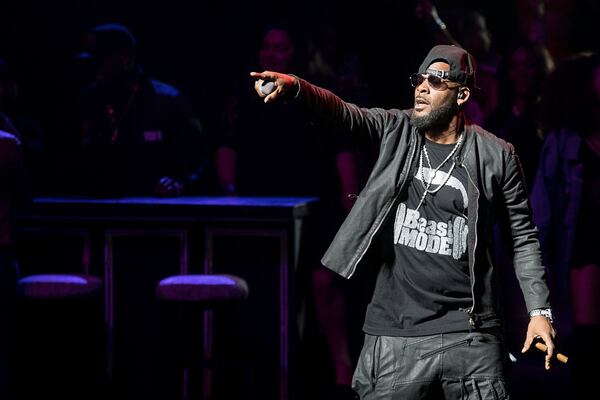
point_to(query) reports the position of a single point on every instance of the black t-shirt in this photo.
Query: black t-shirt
(426, 287)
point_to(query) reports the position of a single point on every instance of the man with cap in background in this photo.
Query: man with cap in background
(139, 136)
(433, 328)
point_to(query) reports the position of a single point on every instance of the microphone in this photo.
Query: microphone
(267, 87)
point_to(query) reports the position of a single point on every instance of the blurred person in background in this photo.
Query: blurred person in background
(565, 198)
(522, 76)
(467, 28)
(140, 136)
(27, 129)
(12, 195)
(279, 152)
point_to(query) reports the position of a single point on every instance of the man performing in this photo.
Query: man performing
(433, 328)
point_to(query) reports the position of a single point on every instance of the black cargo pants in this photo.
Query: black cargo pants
(460, 365)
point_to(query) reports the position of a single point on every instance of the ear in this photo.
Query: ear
(463, 95)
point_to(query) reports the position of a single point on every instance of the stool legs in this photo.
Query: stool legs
(195, 295)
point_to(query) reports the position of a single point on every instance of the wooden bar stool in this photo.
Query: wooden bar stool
(200, 294)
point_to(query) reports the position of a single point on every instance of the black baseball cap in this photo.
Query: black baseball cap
(462, 64)
(106, 39)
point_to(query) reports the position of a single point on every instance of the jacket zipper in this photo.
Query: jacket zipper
(472, 321)
(386, 212)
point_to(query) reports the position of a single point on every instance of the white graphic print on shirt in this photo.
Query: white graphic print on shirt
(437, 237)
(441, 176)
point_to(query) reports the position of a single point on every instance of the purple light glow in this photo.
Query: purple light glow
(68, 279)
(212, 280)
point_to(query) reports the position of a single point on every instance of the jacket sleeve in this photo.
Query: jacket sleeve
(374, 123)
(528, 265)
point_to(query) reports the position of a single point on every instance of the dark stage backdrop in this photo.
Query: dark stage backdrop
(199, 45)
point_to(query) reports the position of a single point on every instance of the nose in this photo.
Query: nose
(423, 87)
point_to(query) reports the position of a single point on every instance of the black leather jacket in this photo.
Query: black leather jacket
(496, 187)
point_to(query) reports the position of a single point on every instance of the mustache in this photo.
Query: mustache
(421, 99)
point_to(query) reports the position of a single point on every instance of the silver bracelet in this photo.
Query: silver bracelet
(299, 87)
(544, 312)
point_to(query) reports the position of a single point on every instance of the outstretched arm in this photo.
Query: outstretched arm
(328, 108)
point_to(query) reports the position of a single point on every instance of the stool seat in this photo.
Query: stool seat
(58, 286)
(202, 288)
(209, 292)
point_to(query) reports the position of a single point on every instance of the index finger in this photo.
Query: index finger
(265, 75)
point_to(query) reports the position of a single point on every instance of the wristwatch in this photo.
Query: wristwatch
(544, 312)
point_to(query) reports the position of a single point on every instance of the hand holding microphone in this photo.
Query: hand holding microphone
(267, 87)
(559, 356)
(273, 85)
(540, 329)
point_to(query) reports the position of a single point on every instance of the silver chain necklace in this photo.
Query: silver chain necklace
(426, 184)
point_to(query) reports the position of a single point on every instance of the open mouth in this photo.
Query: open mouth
(420, 103)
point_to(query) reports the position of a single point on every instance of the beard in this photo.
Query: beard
(438, 119)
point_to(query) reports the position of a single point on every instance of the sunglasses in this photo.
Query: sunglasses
(434, 81)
